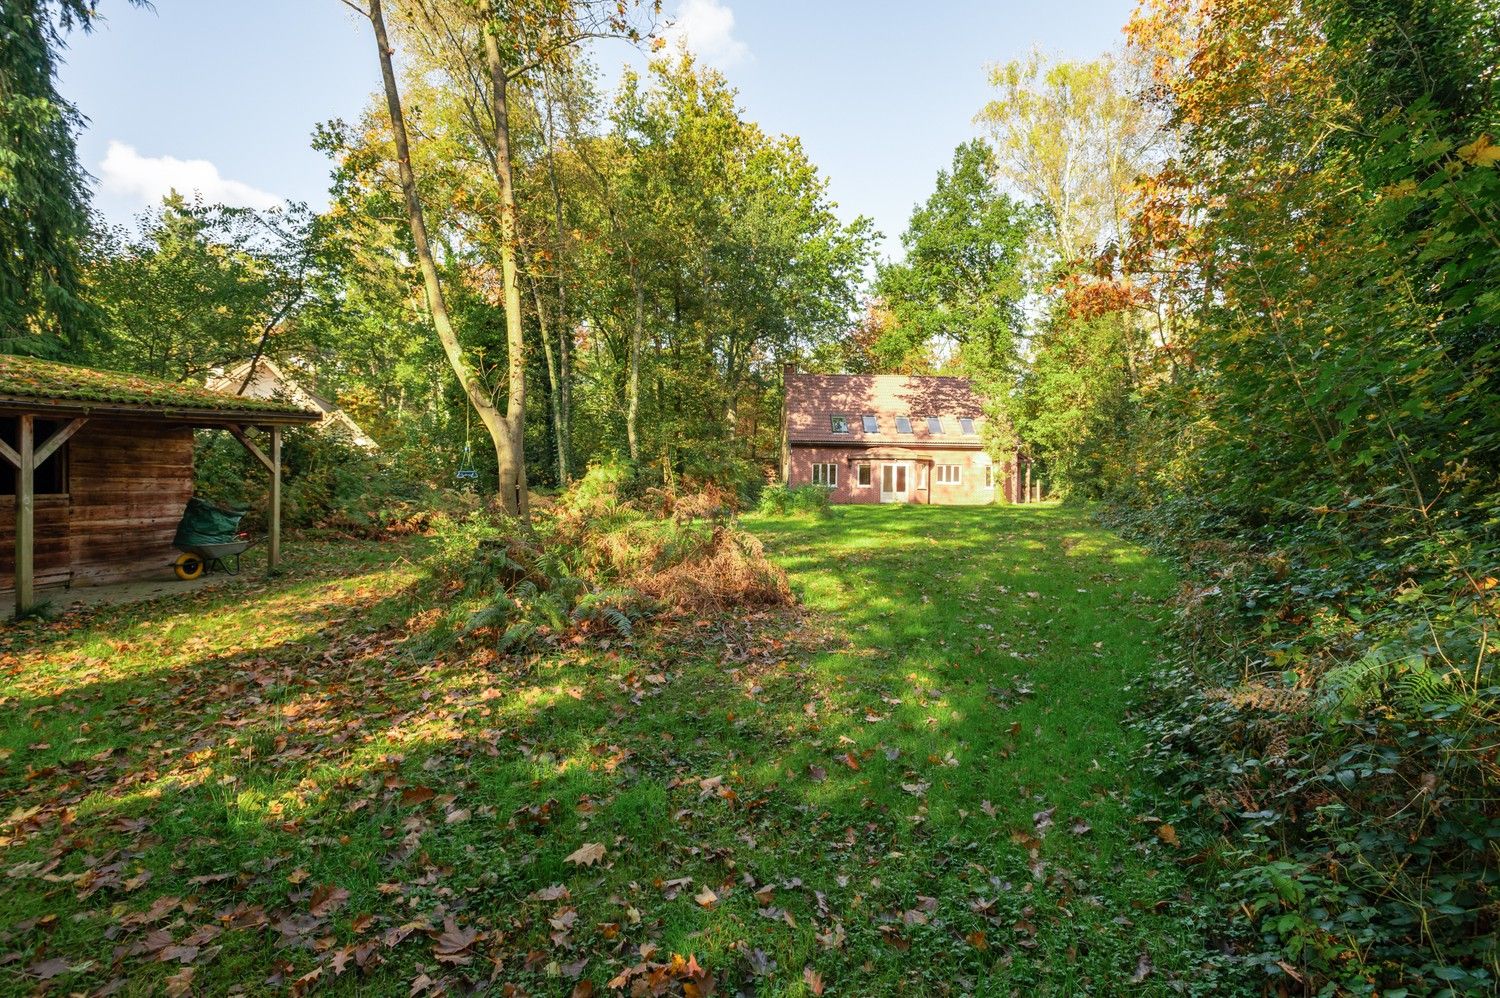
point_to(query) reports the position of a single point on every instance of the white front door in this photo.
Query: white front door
(893, 483)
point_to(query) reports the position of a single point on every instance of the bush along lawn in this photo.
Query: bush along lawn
(917, 782)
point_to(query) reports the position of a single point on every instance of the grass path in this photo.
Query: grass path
(1008, 635)
(918, 786)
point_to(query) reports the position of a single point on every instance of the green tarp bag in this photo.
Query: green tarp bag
(204, 523)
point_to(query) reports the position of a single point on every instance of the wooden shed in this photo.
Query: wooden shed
(96, 468)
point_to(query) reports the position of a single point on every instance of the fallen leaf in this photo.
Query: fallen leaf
(1168, 834)
(417, 795)
(452, 942)
(180, 983)
(813, 980)
(761, 965)
(327, 899)
(706, 897)
(587, 854)
(48, 969)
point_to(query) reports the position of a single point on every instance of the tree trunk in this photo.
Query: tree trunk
(564, 383)
(506, 451)
(513, 476)
(633, 385)
(554, 386)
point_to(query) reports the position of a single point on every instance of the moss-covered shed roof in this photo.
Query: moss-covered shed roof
(29, 384)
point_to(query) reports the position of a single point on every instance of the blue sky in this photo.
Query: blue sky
(223, 95)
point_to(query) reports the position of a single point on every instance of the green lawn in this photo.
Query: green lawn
(917, 785)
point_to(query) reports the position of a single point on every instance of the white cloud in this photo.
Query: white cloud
(128, 174)
(706, 27)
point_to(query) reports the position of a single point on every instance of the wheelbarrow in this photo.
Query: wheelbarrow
(208, 537)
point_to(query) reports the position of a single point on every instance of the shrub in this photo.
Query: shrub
(327, 483)
(781, 500)
(1332, 739)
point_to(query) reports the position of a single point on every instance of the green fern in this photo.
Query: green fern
(518, 636)
(1425, 687)
(1385, 676)
(1353, 688)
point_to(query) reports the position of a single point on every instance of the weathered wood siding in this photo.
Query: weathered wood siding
(52, 554)
(127, 485)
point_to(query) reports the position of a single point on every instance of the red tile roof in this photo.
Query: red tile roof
(812, 400)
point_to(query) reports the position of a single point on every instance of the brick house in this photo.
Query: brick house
(889, 438)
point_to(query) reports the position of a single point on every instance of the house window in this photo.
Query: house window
(989, 476)
(863, 473)
(825, 474)
(903, 424)
(967, 425)
(51, 476)
(840, 424)
(872, 425)
(947, 474)
(934, 425)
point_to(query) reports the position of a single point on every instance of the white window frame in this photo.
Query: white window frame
(871, 424)
(948, 474)
(828, 472)
(935, 425)
(838, 424)
(967, 426)
(903, 419)
(864, 475)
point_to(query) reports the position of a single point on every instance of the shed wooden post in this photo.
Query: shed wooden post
(26, 515)
(274, 559)
(1028, 482)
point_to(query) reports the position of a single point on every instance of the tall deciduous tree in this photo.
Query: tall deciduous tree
(201, 286)
(1072, 137)
(960, 286)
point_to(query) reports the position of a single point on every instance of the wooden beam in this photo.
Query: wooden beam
(57, 439)
(249, 445)
(274, 558)
(25, 516)
(9, 453)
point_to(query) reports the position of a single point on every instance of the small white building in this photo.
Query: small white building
(270, 382)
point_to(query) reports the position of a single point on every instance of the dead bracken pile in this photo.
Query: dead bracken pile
(680, 548)
(730, 570)
(599, 561)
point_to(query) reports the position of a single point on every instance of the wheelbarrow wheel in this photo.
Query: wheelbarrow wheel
(188, 566)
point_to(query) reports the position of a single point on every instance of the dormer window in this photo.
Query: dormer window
(840, 424)
(872, 425)
(903, 424)
(934, 425)
(967, 425)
